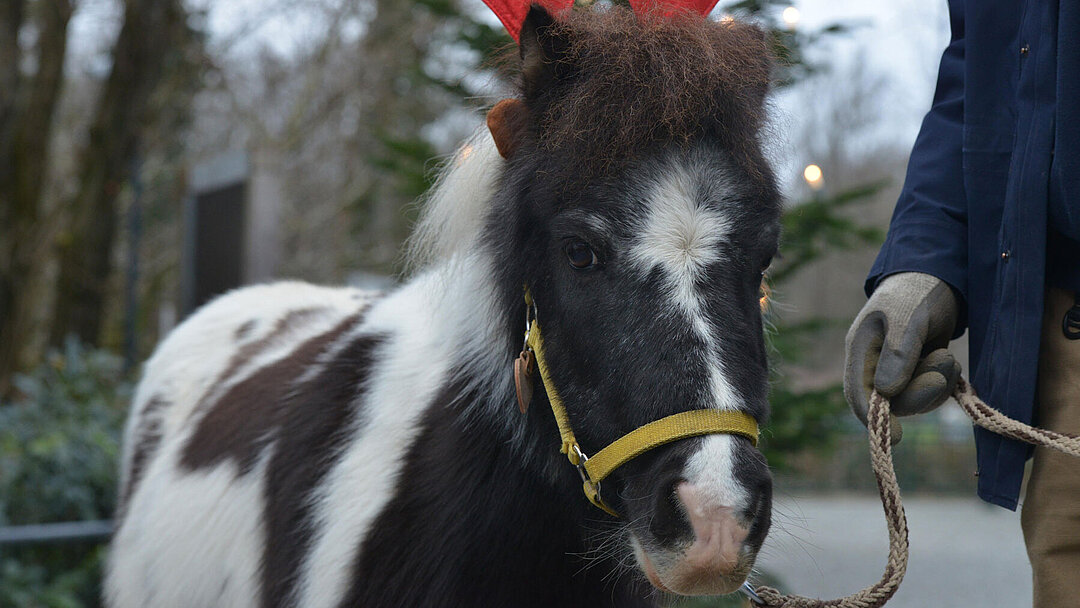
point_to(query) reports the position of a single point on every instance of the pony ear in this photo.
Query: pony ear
(508, 122)
(512, 12)
(542, 47)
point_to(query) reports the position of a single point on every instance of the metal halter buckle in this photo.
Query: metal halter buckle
(530, 316)
(582, 459)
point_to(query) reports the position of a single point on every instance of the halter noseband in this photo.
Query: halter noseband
(593, 470)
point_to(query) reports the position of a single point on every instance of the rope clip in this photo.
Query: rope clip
(748, 590)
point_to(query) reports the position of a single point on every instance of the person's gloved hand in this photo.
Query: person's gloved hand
(897, 345)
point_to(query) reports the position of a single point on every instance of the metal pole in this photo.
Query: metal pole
(70, 531)
(131, 296)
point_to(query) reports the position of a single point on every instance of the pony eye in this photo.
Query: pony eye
(581, 256)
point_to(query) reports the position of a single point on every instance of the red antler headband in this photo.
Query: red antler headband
(512, 12)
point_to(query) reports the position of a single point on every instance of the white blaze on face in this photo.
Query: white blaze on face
(682, 236)
(712, 470)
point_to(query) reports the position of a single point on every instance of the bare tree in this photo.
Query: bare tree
(30, 85)
(345, 113)
(154, 34)
(41, 222)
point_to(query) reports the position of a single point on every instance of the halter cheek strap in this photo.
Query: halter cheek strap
(593, 470)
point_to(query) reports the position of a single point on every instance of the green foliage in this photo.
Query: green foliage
(818, 226)
(407, 159)
(788, 44)
(810, 419)
(59, 445)
(802, 420)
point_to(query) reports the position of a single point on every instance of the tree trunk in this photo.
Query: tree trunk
(11, 18)
(152, 35)
(27, 106)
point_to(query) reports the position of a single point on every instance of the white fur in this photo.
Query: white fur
(188, 361)
(712, 469)
(187, 538)
(683, 237)
(452, 215)
(429, 320)
(403, 382)
(196, 538)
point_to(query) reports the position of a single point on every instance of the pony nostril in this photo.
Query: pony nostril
(669, 523)
(719, 536)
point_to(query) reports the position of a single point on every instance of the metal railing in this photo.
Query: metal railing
(57, 533)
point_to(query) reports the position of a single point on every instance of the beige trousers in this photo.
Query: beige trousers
(1051, 511)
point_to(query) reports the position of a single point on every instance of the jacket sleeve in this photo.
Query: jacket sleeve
(928, 232)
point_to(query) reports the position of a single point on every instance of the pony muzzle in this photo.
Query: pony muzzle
(717, 559)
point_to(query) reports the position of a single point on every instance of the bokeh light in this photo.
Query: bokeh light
(791, 16)
(812, 175)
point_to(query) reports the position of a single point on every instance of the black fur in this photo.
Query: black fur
(147, 437)
(487, 512)
(467, 528)
(620, 356)
(320, 414)
(247, 417)
(483, 516)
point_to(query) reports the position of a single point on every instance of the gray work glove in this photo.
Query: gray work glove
(897, 345)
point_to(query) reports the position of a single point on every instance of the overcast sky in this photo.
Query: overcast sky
(898, 41)
(901, 39)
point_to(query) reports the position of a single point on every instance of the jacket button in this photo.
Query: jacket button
(1005, 255)
(1024, 49)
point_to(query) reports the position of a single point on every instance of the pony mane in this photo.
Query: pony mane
(452, 211)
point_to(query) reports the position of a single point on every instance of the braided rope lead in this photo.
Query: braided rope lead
(878, 426)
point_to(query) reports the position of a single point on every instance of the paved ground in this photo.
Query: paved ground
(963, 552)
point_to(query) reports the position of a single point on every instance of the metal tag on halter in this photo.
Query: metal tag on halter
(523, 382)
(526, 362)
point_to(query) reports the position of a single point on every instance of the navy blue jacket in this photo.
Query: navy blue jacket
(993, 183)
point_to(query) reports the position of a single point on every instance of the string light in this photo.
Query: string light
(791, 16)
(812, 175)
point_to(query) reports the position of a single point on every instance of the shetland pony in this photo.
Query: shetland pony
(294, 445)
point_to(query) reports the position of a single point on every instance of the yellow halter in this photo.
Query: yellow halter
(642, 439)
